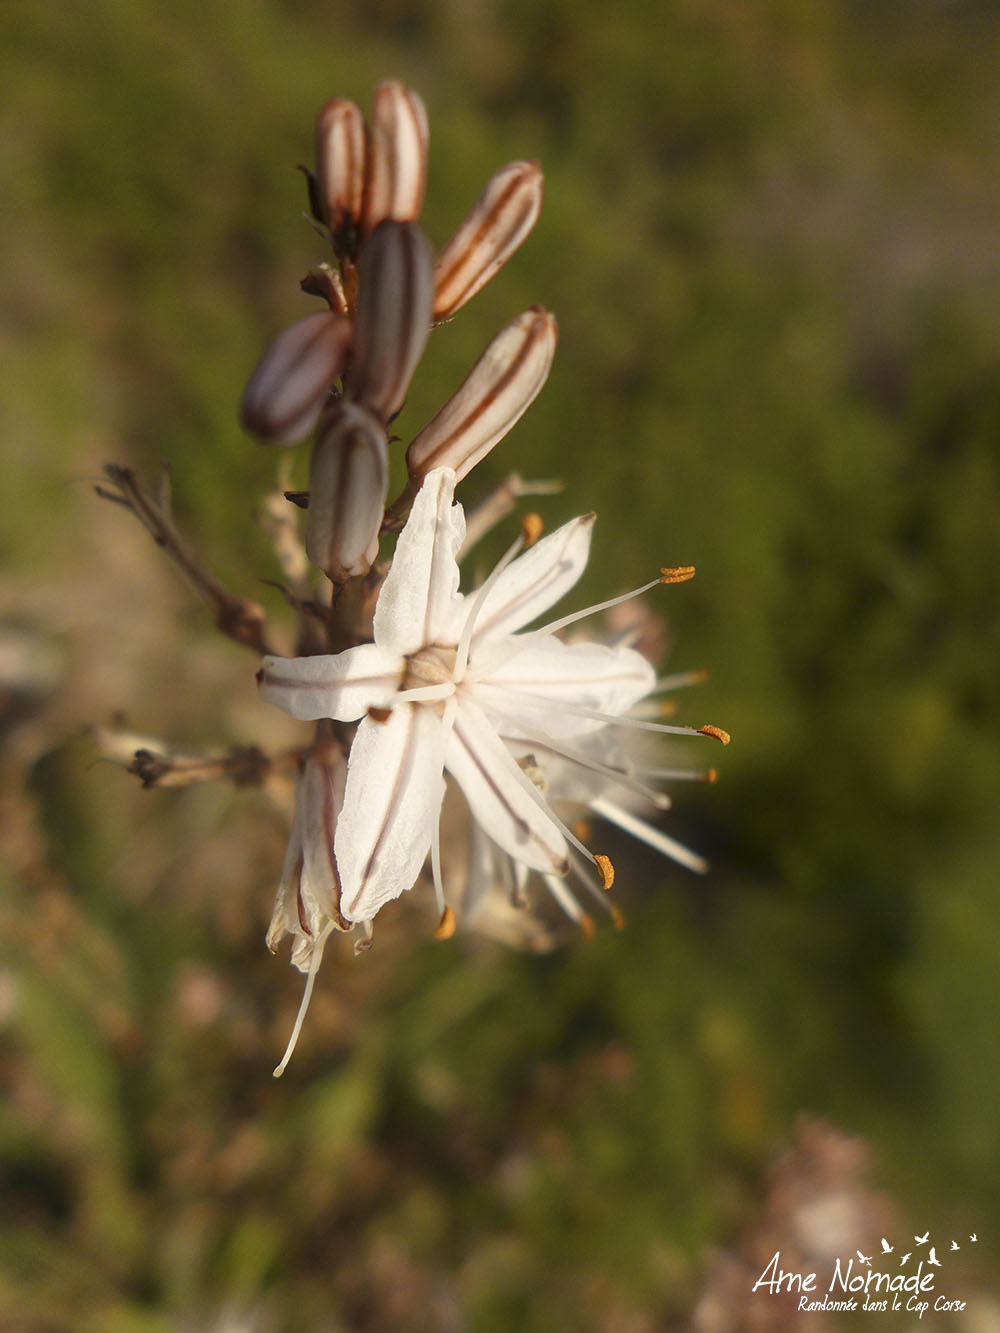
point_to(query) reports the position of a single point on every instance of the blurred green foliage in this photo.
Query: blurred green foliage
(770, 239)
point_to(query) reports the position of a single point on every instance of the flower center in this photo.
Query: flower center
(433, 665)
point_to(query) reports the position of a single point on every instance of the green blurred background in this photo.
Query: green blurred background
(770, 237)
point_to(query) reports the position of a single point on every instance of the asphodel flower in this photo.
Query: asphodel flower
(455, 684)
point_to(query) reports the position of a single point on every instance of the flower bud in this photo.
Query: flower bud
(397, 157)
(340, 164)
(308, 898)
(500, 219)
(393, 316)
(348, 480)
(285, 393)
(495, 394)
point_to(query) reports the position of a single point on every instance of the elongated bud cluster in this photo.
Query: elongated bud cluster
(393, 316)
(347, 488)
(494, 395)
(293, 378)
(500, 219)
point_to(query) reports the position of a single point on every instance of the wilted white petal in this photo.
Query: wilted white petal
(420, 603)
(548, 673)
(500, 219)
(397, 156)
(535, 580)
(308, 898)
(286, 392)
(341, 685)
(497, 392)
(393, 316)
(341, 150)
(498, 795)
(348, 479)
(392, 801)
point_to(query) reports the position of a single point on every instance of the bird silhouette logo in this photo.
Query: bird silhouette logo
(973, 1238)
(933, 1259)
(955, 1245)
(922, 1240)
(905, 1257)
(865, 1259)
(886, 1247)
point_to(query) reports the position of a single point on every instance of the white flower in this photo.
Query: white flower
(450, 684)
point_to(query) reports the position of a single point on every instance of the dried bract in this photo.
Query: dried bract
(396, 174)
(496, 393)
(500, 219)
(393, 316)
(347, 487)
(286, 391)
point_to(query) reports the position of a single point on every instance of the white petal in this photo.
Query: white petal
(342, 686)
(498, 793)
(535, 580)
(393, 798)
(420, 604)
(548, 673)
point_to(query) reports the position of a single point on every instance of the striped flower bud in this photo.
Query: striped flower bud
(495, 394)
(286, 392)
(341, 149)
(393, 316)
(348, 480)
(500, 219)
(397, 157)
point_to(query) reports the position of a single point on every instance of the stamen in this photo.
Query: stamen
(421, 694)
(447, 722)
(607, 870)
(465, 641)
(367, 939)
(616, 775)
(574, 710)
(555, 625)
(314, 962)
(646, 833)
(681, 774)
(717, 734)
(597, 891)
(532, 528)
(447, 925)
(680, 679)
(678, 574)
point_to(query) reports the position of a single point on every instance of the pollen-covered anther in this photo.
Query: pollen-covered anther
(716, 733)
(581, 827)
(447, 925)
(587, 926)
(607, 870)
(532, 527)
(710, 776)
(379, 715)
(393, 317)
(499, 221)
(678, 574)
(618, 917)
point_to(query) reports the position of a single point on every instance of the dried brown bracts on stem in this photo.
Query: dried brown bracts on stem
(347, 487)
(287, 390)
